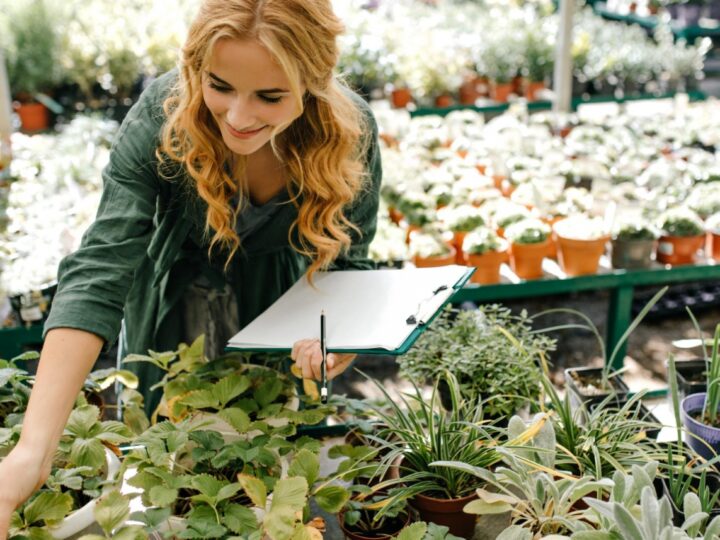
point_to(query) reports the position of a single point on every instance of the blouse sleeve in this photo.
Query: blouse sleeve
(94, 281)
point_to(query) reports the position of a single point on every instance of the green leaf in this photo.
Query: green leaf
(226, 492)
(131, 532)
(239, 519)
(48, 507)
(200, 399)
(152, 517)
(307, 465)
(626, 523)
(254, 488)
(268, 391)
(88, 453)
(82, 420)
(290, 492)
(413, 532)
(237, 418)
(230, 387)
(332, 498)
(207, 485)
(280, 522)
(36, 533)
(111, 511)
(482, 508)
(515, 532)
(162, 495)
(202, 523)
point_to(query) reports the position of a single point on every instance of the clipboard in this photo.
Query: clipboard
(367, 311)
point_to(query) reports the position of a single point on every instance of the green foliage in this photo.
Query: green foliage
(681, 222)
(32, 47)
(527, 231)
(640, 230)
(481, 240)
(493, 353)
(712, 399)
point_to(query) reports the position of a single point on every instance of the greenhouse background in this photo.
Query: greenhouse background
(582, 183)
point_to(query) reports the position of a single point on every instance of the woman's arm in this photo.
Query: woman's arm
(67, 357)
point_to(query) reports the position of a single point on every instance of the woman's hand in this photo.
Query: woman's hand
(307, 356)
(22, 472)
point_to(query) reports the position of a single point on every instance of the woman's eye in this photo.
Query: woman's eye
(269, 99)
(218, 87)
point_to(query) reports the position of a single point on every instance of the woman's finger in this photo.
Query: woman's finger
(338, 363)
(304, 358)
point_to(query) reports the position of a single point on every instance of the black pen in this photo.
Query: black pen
(323, 364)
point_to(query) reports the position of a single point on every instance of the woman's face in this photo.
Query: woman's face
(247, 93)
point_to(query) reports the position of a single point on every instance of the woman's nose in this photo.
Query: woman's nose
(240, 115)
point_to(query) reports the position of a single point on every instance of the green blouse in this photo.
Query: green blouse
(147, 245)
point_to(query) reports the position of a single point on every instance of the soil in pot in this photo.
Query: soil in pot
(586, 386)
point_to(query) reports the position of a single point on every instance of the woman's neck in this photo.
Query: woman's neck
(265, 176)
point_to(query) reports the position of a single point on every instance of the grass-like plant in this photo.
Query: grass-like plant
(712, 399)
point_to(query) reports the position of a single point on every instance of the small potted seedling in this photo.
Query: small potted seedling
(581, 243)
(593, 385)
(633, 245)
(529, 245)
(486, 251)
(428, 249)
(700, 411)
(683, 235)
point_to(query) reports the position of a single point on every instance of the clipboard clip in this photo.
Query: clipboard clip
(413, 319)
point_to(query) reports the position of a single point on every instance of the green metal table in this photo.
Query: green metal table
(534, 106)
(620, 283)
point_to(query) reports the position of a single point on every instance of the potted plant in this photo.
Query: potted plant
(529, 245)
(359, 519)
(33, 69)
(538, 60)
(428, 248)
(581, 243)
(682, 236)
(494, 355)
(486, 251)
(633, 245)
(500, 61)
(197, 484)
(506, 213)
(594, 385)
(700, 411)
(461, 220)
(419, 433)
(713, 236)
(84, 467)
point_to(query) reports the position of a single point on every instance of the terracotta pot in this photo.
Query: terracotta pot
(679, 249)
(713, 245)
(500, 91)
(400, 97)
(458, 238)
(447, 512)
(33, 116)
(580, 257)
(532, 88)
(435, 261)
(487, 266)
(526, 259)
(443, 101)
(498, 181)
(472, 89)
(396, 215)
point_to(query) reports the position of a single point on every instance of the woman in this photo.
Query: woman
(228, 181)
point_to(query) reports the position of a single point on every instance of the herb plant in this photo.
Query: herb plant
(681, 222)
(712, 399)
(493, 354)
(639, 230)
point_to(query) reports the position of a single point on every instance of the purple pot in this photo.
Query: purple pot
(698, 434)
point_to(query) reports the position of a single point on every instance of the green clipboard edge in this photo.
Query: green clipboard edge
(419, 329)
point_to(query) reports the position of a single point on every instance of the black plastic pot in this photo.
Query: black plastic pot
(578, 396)
(33, 307)
(713, 482)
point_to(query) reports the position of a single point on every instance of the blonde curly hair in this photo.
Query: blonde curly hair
(322, 149)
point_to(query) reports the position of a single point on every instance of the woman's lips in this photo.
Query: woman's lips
(243, 134)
